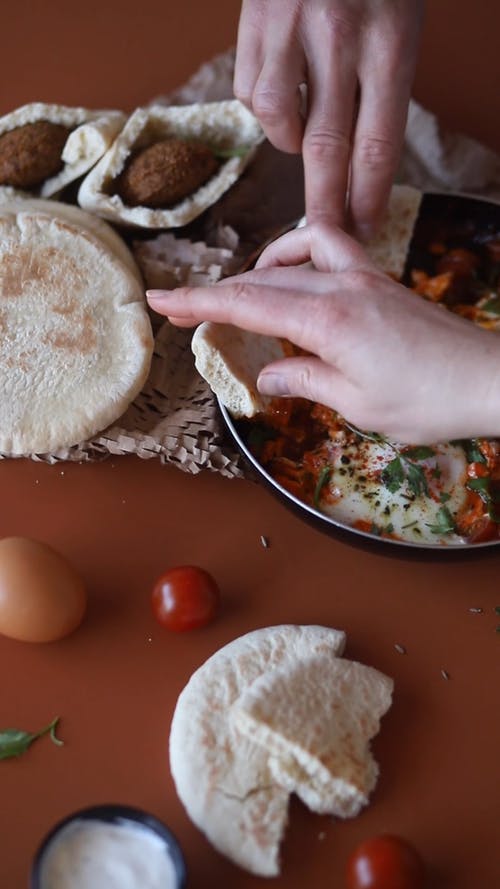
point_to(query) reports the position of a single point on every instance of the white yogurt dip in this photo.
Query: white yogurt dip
(92, 854)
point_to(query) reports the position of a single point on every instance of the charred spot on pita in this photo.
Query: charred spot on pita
(32, 153)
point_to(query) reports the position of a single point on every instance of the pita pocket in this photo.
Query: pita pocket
(76, 340)
(222, 777)
(45, 147)
(315, 718)
(230, 360)
(225, 128)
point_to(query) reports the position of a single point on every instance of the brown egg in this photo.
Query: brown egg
(42, 598)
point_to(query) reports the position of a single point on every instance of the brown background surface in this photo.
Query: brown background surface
(115, 682)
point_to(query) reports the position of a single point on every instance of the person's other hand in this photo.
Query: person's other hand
(386, 359)
(357, 59)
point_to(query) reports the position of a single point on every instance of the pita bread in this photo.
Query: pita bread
(390, 247)
(230, 360)
(12, 201)
(76, 338)
(315, 718)
(224, 125)
(222, 777)
(92, 134)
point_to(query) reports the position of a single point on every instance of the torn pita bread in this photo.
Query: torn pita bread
(230, 360)
(76, 340)
(92, 133)
(315, 718)
(222, 125)
(222, 778)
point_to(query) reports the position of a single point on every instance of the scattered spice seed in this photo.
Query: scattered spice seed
(400, 648)
(264, 541)
(476, 610)
(445, 674)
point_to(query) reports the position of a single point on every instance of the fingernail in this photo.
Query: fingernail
(273, 384)
(157, 294)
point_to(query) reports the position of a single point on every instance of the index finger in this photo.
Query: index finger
(296, 315)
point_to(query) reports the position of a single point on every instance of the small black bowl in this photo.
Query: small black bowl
(112, 814)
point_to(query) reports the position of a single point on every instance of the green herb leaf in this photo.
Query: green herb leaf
(444, 497)
(417, 481)
(15, 742)
(481, 486)
(445, 523)
(497, 609)
(393, 475)
(421, 452)
(492, 306)
(489, 492)
(473, 452)
(323, 479)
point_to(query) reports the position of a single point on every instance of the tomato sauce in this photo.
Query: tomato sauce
(293, 439)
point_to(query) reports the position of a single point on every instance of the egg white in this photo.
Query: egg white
(356, 492)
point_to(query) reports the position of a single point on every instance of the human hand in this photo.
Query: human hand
(335, 47)
(383, 357)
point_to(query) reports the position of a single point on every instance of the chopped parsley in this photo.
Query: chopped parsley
(445, 523)
(323, 479)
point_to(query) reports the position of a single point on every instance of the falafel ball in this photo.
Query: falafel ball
(166, 172)
(31, 153)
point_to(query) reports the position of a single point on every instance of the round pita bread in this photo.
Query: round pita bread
(76, 339)
(221, 776)
(14, 200)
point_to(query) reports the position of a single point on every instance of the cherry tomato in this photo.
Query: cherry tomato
(185, 597)
(385, 862)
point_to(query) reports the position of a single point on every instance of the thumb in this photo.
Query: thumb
(307, 377)
(329, 249)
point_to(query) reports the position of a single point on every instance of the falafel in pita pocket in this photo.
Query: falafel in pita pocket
(45, 147)
(169, 164)
(230, 359)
